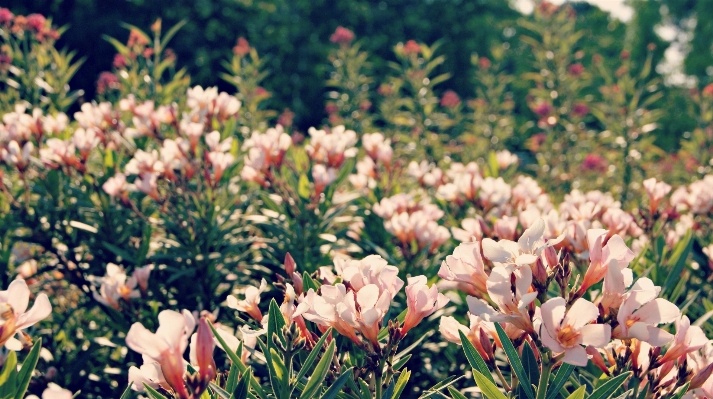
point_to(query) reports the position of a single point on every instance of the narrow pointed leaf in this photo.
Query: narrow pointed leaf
(455, 393)
(401, 383)
(476, 361)
(560, 379)
(8, 376)
(153, 393)
(236, 360)
(28, 366)
(607, 389)
(515, 362)
(241, 389)
(307, 365)
(488, 388)
(320, 372)
(337, 386)
(578, 394)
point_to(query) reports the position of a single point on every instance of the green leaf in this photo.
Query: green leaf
(28, 366)
(236, 360)
(336, 388)
(127, 392)
(275, 380)
(303, 187)
(488, 388)
(682, 391)
(153, 393)
(389, 392)
(233, 375)
(8, 377)
(320, 372)
(275, 323)
(307, 365)
(476, 361)
(401, 383)
(578, 394)
(608, 388)
(219, 391)
(678, 261)
(560, 379)
(529, 363)
(455, 394)
(308, 282)
(400, 363)
(241, 390)
(514, 359)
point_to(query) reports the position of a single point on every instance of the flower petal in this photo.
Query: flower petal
(552, 313)
(580, 314)
(657, 312)
(39, 311)
(596, 335)
(576, 356)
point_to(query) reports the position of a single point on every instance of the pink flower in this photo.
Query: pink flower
(594, 162)
(471, 230)
(525, 251)
(325, 310)
(242, 48)
(115, 186)
(371, 270)
(505, 228)
(15, 156)
(466, 267)
(641, 312)
(505, 158)
(450, 99)
(508, 288)
(342, 36)
(204, 352)
(54, 391)
(566, 331)
(141, 274)
(411, 47)
(116, 286)
(615, 252)
(166, 346)
(688, 339)
(323, 177)
(14, 315)
(422, 301)
(477, 333)
(250, 304)
(656, 192)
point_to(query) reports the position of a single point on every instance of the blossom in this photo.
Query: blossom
(373, 269)
(377, 147)
(141, 274)
(422, 302)
(220, 161)
(656, 191)
(477, 333)
(85, 140)
(450, 99)
(641, 312)
(15, 156)
(115, 186)
(505, 159)
(601, 256)
(54, 391)
(149, 373)
(342, 36)
(148, 184)
(411, 47)
(14, 316)
(250, 304)
(166, 346)
(331, 148)
(322, 176)
(688, 339)
(327, 309)
(508, 287)
(115, 286)
(466, 267)
(523, 252)
(566, 330)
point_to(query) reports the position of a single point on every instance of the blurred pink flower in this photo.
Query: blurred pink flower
(250, 304)
(466, 267)
(450, 99)
(342, 36)
(411, 47)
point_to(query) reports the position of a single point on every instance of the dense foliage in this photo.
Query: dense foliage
(531, 241)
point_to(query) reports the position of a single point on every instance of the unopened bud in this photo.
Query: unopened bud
(289, 264)
(204, 351)
(597, 359)
(701, 377)
(551, 257)
(539, 272)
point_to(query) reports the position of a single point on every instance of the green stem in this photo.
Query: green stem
(544, 379)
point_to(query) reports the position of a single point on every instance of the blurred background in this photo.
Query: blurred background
(293, 35)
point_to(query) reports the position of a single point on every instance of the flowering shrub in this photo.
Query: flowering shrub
(165, 220)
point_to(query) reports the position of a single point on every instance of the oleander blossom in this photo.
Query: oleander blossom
(14, 315)
(250, 304)
(565, 331)
(165, 348)
(465, 266)
(423, 301)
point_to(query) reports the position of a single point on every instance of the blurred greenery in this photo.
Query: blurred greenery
(293, 36)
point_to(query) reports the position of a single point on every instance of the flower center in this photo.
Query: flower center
(6, 312)
(567, 336)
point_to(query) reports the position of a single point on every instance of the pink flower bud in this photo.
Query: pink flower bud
(204, 351)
